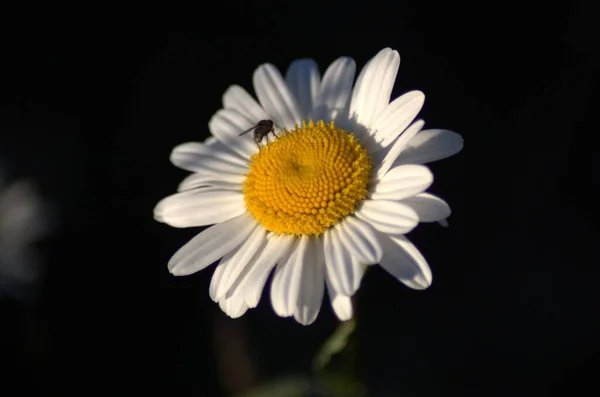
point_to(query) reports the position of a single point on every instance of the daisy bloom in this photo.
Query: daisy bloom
(333, 190)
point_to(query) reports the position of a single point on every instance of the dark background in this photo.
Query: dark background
(513, 309)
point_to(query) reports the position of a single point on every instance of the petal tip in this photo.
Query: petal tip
(175, 271)
(263, 67)
(304, 319)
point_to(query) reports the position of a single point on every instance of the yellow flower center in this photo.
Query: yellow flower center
(307, 180)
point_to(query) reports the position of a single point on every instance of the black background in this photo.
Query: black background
(92, 117)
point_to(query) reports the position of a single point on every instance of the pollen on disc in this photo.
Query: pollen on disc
(307, 180)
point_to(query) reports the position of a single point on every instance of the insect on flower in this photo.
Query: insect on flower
(261, 130)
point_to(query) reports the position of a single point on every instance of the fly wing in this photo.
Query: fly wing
(248, 130)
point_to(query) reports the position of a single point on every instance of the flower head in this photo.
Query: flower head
(334, 191)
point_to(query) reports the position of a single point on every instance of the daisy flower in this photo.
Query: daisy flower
(331, 192)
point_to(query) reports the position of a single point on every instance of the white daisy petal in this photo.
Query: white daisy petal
(404, 261)
(248, 282)
(303, 79)
(215, 281)
(234, 306)
(199, 208)
(388, 216)
(190, 155)
(312, 287)
(402, 182)
(429, 208)
(198, 179)
(275, 96)
(295, 272)
(335, 89)
(361, 240)
(239, 260)
(277, 248)
(216, 145)
(194, 156)
(238, 99)
(397, 116)
(211, 140)
(277, 294)
(431, 145)
(210, 183)
(342, 305)
(398, 147)
(211, 244)
(374, 86)
(287, 278)
(344, 273)
(227, 125)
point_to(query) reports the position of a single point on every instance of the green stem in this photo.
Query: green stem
(339, 340)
